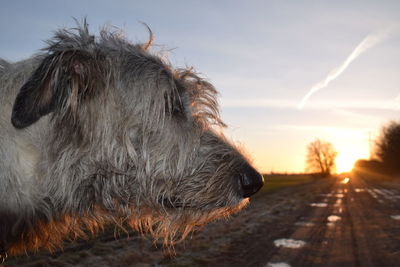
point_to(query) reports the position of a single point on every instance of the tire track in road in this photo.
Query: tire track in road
(313, 231)
(356, 228)
(376, 233)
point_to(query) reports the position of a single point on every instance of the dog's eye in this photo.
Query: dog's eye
(175, 103)
(175, 108)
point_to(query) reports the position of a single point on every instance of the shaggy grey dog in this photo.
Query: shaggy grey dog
(96, 131)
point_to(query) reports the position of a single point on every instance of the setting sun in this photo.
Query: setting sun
(345, 160)
(351, 145)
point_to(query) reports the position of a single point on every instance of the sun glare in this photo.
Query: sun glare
(352, 145)
(345, 161)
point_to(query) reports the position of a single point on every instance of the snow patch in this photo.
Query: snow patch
(387, 194)
(306, 224)
(278, 264)
(334, 218)
(289, 243)
(338, 202)
(395, 217)
(319, 205)
(330, 224)
(372, 193)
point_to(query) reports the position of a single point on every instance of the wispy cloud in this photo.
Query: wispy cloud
(376, 104)
(397, 99)
(357, 118)
(337, 132)
(370, 41)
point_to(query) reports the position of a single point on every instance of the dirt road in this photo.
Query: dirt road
(353, 224)
(322, 223)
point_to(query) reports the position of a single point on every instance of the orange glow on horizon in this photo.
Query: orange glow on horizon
(346, 159)
(286, 152)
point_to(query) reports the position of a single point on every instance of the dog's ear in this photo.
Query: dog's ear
(60, 81)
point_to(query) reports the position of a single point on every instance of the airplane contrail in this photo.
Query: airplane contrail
(370, 41)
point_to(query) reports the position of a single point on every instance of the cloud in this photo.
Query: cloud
(358, 117)
(370, 41)
(324, 130)
(397, 99)
(376, 104)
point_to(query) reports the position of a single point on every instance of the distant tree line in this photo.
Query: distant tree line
(387, 152)
(369, 165)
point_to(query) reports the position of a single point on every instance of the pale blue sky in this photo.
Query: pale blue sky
(263, 57)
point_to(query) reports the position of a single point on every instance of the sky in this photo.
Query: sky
(288, 72)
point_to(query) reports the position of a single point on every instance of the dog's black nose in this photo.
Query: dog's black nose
(251, 181)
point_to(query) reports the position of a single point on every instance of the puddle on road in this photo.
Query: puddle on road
(334, 218)
(289, 243)
(387, 194)
(395, 217)
(375, 195)
(338, 209)
(372, 193)
(338, 202)
(306, 224)
(319, 205)
(278, 264)
(345, 180)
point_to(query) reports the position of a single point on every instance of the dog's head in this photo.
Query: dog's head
(131, 136)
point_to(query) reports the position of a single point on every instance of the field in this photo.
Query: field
(273, 182)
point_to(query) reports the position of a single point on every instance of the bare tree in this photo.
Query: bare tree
(388, 147)
(321, 157)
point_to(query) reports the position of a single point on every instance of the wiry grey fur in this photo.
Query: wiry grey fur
(103, 131)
